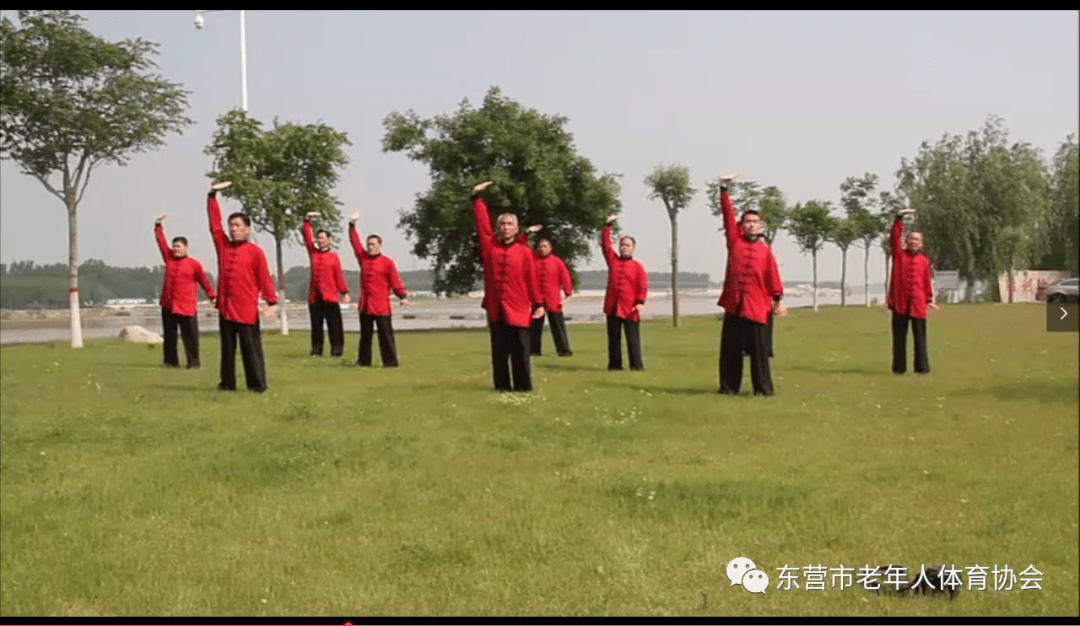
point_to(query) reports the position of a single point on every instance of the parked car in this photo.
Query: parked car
(1065, 290)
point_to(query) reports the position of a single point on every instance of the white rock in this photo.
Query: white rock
(138, 334)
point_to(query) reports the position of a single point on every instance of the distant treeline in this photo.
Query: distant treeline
(26, 285)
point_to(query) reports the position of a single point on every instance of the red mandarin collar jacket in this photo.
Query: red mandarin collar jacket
(627, 285)
(910, 284)
(327, 279)
(511, 290)
(752, 280)
(242, 273)
(378, 276)
(179, 293)
(551, 274)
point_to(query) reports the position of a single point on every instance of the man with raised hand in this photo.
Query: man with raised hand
(326, 283)
(911, 293)
(179, 295)
(511, 294)
(378, 277)
(243, 274)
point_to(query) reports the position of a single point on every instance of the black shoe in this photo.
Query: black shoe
(223, 387)
(257, 389)
(567, 353)
(638, 369)
(315, 355)
(193, 367)
(614, 369)
(727, 392)
(390, 365)
(763, 394)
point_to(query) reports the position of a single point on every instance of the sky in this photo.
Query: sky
(797, 99)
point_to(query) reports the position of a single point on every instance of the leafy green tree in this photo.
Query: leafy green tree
(1063, 249)
(860, 205)
(810, 224)
(279, 175)
(70, 101)
(671, 184)
(843, 232)
(537, 172)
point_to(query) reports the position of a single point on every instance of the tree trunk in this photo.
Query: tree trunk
(843, 274)
(281, 287)
(674, 273)
(813, 255)
(73, 264)
(866, 275)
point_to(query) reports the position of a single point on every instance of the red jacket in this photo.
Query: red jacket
(627, 284)
(327, 279)
(378, 276)
(551, 274)
(242, 273)
(511, 292)
(752, 280)
(909, 285)
(179, 292)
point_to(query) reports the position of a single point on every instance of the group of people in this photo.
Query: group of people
(522, 285)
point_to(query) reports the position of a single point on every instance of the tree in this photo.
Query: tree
(843, 232)
(1063, 249)
(70, 101)
(278, 175)
(537, 173)
(859, 204)
(809, 223)
(747, 195)
(671, 185)
(981, 202)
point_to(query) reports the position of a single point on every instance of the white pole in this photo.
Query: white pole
(243, 63)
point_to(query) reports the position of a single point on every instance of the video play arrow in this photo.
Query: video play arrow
(1063, 312)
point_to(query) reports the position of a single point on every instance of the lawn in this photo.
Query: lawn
(133, 490)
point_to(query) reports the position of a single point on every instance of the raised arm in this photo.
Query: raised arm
(162, 242)
(309, 239)
(354, 238)
(213, 212)
(896, 244)
(731, 226)
(605, 242)
(484, 231)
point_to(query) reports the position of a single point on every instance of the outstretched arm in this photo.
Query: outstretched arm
(213, 212)
(605, 241)
(731, 226)
(354, 237)
(896, 232)
(162, 242)
(309, 240)
(484, 231)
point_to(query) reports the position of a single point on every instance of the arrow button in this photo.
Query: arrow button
(1063, 312)
(1063, 318)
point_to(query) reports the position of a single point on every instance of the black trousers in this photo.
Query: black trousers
(189, 330)
(251, 353)
(331, 312)
(387, 349)
(510, 350)
(768, 337)
(899, 343)
(739, 335)
(558, 334)
(633, 343)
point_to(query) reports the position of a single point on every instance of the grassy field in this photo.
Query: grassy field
(129, 489)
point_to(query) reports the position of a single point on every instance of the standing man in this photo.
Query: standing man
(752, 288)
(378, 276)
(551, 275)
(327, 281)
(178, 297)
(627, 287)
(511, 295)
(769, 340)
(242, 274)
(911, 291)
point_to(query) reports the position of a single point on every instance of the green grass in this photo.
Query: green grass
(129, 489)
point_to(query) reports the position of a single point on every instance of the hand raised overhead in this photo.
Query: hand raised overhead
(534, 228)
(482, 186)
(727, 178)
(220, 185)
(907, 211)
(311, 214)
(161, 216)
(611, 218)
(355, 215)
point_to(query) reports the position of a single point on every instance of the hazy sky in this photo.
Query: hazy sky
(800, 100)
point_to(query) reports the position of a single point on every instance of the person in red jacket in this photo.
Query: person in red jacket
(551, 275)
(327, 281)
(752, 289)
(911, 291)
(178, 296)
(511, 295)
(627, 287)
(378, 277)
(242, 274)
